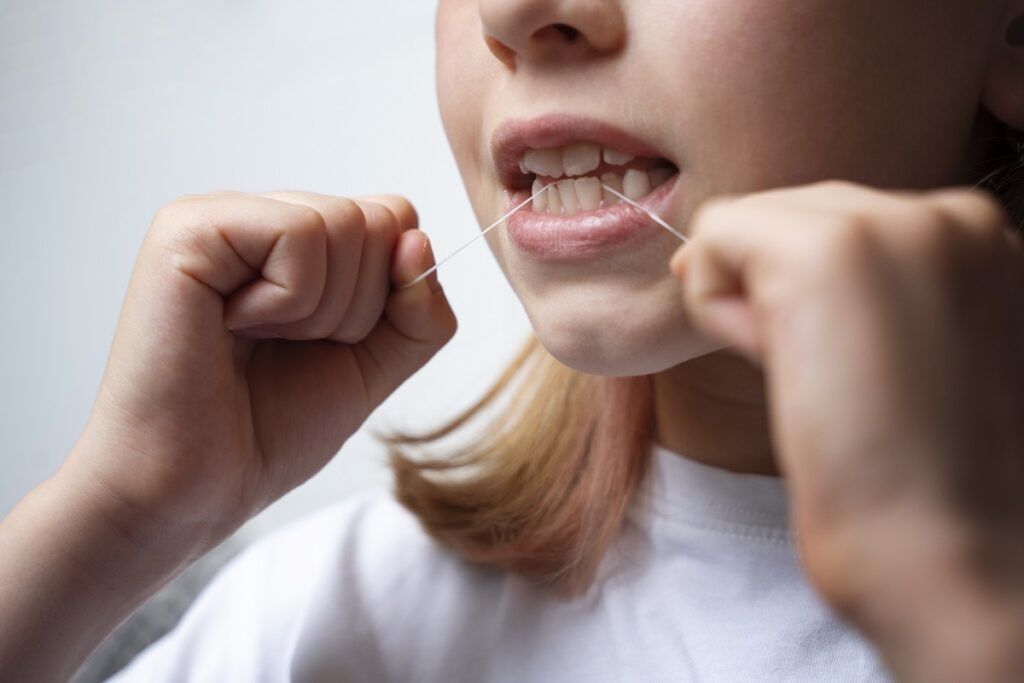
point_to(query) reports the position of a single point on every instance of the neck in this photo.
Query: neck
(713, 410)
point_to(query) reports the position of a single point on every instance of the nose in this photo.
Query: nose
(518, 31)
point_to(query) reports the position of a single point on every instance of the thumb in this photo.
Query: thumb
(716, 299)
(417, 320)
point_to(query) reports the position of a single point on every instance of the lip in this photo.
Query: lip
(550, 237)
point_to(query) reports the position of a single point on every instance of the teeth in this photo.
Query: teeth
(636, 184)
(580, 158)
(577, 159)
(540, 201)
(589, 192)
(554, 201)
(567, 193)
(617, 158)
(613, 180)
(545, 162)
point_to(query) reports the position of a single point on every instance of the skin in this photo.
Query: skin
(877, 320)
(880, 100)
(908, 300)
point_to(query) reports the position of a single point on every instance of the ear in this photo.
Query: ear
(1004, 84)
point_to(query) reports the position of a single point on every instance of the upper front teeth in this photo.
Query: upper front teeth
(572, 160)
(580, 159)
(545, 162)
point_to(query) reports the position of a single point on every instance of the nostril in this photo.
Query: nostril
(568, 32)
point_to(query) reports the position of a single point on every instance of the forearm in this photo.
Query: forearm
(72, 567)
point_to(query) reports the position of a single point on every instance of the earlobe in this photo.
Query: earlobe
(1004, 83)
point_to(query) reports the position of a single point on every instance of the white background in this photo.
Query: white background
(110, 109)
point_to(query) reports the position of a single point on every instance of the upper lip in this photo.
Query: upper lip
(514, 137)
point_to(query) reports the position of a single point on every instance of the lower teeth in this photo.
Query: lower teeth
(586, 194)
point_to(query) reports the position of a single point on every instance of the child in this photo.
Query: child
(626, 516)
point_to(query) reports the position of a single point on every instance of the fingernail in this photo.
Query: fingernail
(428, 262)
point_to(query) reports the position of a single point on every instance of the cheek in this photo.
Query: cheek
(785, 92)
(463, 63)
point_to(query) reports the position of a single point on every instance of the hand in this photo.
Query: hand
(257, 334)
(890, 327)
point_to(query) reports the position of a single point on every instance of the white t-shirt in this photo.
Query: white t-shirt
(702, 585)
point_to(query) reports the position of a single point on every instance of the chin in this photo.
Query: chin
(610, 345)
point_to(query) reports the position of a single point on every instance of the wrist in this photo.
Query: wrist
(956, 640)
(125, 512)
(157, 501)
(948, 622)
(74, 565)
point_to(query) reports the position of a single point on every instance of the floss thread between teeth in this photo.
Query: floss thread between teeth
(653, 216)
(475, 238)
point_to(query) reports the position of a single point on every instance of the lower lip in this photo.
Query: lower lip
(551, 237)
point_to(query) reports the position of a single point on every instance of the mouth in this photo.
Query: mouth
(566, 161)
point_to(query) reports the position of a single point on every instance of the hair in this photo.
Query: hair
(544, 491)
(1003, 173)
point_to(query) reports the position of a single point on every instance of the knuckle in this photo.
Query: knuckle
(168, 215)
(176, 222)
(403, 211)
(381, 222)
(709, 214)
(346, 214)
(400, 207)
(920, 226)
(846, 241)
(308, 220)
(834, 184)
(973, 225)
(980, 207)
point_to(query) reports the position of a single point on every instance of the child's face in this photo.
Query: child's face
(735, 95)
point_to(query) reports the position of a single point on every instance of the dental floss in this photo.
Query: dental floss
(475, 238)
(653, 216)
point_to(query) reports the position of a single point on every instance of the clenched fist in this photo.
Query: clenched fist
(258, 333)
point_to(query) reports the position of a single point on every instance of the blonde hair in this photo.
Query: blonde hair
(544, 491)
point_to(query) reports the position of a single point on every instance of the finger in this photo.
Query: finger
(976, 212)
(345, 224)
(401, 207)
(728, 315)
(834, 196)
(418, 320)
(734, 249)
(266, 258)
(373, 281)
